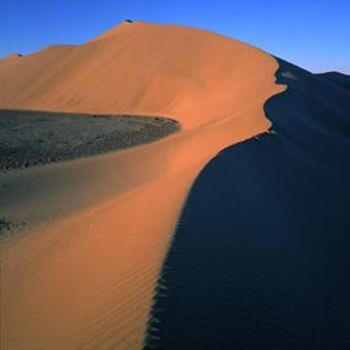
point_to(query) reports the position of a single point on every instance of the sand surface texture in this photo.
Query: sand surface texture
(260, 257)
(83, 275)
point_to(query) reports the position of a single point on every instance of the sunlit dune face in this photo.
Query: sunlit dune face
(85, 279)
(186, 73)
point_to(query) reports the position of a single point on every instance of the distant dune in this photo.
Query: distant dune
(94, 232)
(339, 79)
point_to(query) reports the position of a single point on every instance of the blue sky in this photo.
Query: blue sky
(312, 34)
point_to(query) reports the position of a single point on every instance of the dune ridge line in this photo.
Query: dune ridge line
(84, 275)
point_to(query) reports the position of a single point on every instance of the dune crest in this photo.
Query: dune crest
(10, 58)
(85, 276)
(141, 68)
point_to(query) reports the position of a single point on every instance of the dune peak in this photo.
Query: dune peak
(114, 30)
(13, 56)
(185, 73)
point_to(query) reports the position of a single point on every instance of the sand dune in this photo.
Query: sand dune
(142, 68)
(338, 79)
(84, 273)
(10, 58)
(260, 256)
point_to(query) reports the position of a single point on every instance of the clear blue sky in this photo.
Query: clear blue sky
(314, 34)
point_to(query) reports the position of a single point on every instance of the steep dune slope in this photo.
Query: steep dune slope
(141, 68)
(99, 228)
(270, 225)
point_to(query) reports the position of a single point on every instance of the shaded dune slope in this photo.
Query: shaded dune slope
(260, 257)
(84, 275)
(339, 79)
(212, 85)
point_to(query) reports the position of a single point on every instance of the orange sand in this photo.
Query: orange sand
(85, 278)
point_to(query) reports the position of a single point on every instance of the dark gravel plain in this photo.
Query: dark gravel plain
(30, 139)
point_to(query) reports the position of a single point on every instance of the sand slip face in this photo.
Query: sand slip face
(84, 276)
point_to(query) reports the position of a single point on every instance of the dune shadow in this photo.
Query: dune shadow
(260, 257)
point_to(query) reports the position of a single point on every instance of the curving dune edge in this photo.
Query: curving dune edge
(84, 273)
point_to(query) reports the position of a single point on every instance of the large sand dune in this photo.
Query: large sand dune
(84, 272)
(260, 258)
(140, 68)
